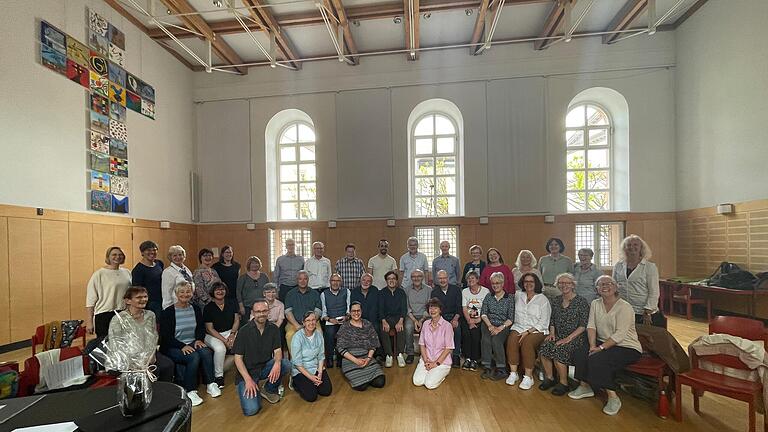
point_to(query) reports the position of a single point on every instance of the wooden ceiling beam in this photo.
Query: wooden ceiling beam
(353, 13)
(477, 32)
(551, 24)
(272, 27)
(624, 18)
(219, 45)
(349, 41)
(412, 47)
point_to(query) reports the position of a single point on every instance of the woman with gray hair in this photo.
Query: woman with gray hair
(613, 344)
(250, 286)
(497, 314)
(586, 273)
(525, 263)
(570, 313)
(173, 274)
(638, 281)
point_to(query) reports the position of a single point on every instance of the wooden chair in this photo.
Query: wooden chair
(701, 380)
(39, 337)
(651, 365)
(683, 294)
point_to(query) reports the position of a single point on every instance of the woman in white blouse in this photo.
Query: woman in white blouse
(173, 274)
(531, 326)
(638, 281)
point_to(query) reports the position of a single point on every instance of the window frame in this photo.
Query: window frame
(596, 246)
(276, 239)
(413, 156)
(586, 170)
(436, 240)
(297, 163)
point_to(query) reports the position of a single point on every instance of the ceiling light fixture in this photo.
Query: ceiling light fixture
(168, 11)
(468, 12)
(356, 23)
(218, 4)
(427, 15)
(397, 20)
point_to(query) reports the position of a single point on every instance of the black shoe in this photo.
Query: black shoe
(338, 362)
(546, 384)
(409, 359)
(559, 390)
(456, 362)
(329, 364)
(499, 374)
(467, 364)
(473, 365)
(487, 373)
(219, 382)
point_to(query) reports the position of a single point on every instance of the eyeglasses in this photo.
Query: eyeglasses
(261, 311)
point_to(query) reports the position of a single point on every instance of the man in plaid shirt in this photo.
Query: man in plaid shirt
(350, 267)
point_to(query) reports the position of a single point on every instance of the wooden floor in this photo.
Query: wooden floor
(463, 402)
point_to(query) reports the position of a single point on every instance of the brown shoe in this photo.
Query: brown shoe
(272, 398)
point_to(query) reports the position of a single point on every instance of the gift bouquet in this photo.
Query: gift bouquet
(129, 350)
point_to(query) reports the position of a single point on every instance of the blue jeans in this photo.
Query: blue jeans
(202, 357)
(252, 406)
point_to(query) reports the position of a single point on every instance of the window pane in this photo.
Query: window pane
(598, 158)
(443, 126)
(424, 146)
(425, 186)
(308, 191)
(288, 211)
(288, 192)
(308, 210)
(585, 236)
(575, 159)
(289, 136)
(307, 153)
(575, 117)
(576, 201)
(596, 116)
(424, 207)
(447, 234)
(424, 127)
(307, 172)
(598, 137)
(445, 145)
(598, 180)
(446, 165)
(445, 206)
(288, 173)
(426, 238)
(425, 166)
(287, 154)
(575, 180)
(306, 134)
(597, 201)
(446, 186)
(574, 138)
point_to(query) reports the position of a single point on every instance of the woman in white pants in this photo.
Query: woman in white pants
(436, 341)
(221, 323)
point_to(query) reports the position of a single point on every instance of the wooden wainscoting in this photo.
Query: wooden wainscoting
(46, 261)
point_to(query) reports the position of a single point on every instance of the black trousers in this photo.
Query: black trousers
(308, 390)
(599, 368)
(101, 323)
(470, 340)
(165, 368)
(386, 342)
(377, 382)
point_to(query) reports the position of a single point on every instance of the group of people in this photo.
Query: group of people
(548, 314)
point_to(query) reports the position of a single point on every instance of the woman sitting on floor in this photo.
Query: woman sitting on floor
(356, 342)
(570, 313)
(436, 342)
(310, 379)
(613, 345)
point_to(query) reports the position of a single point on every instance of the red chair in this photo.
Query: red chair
(682, 294)
(39, 337)
(701, 380)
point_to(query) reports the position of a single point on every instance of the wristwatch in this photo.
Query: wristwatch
(602, 348)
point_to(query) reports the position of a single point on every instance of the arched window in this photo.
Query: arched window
(588, 137)
(296, 172)
(435, 155)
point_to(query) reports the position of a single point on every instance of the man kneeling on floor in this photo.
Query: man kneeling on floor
(258, 356)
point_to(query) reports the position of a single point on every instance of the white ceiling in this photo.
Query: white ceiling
(451, 27)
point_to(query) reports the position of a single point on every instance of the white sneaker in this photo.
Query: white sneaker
(388, 361)
(194, 398)
(613, 406)
(526, 383)
(541, 376)
(512, 379)
(213, 390)
(400, 360)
